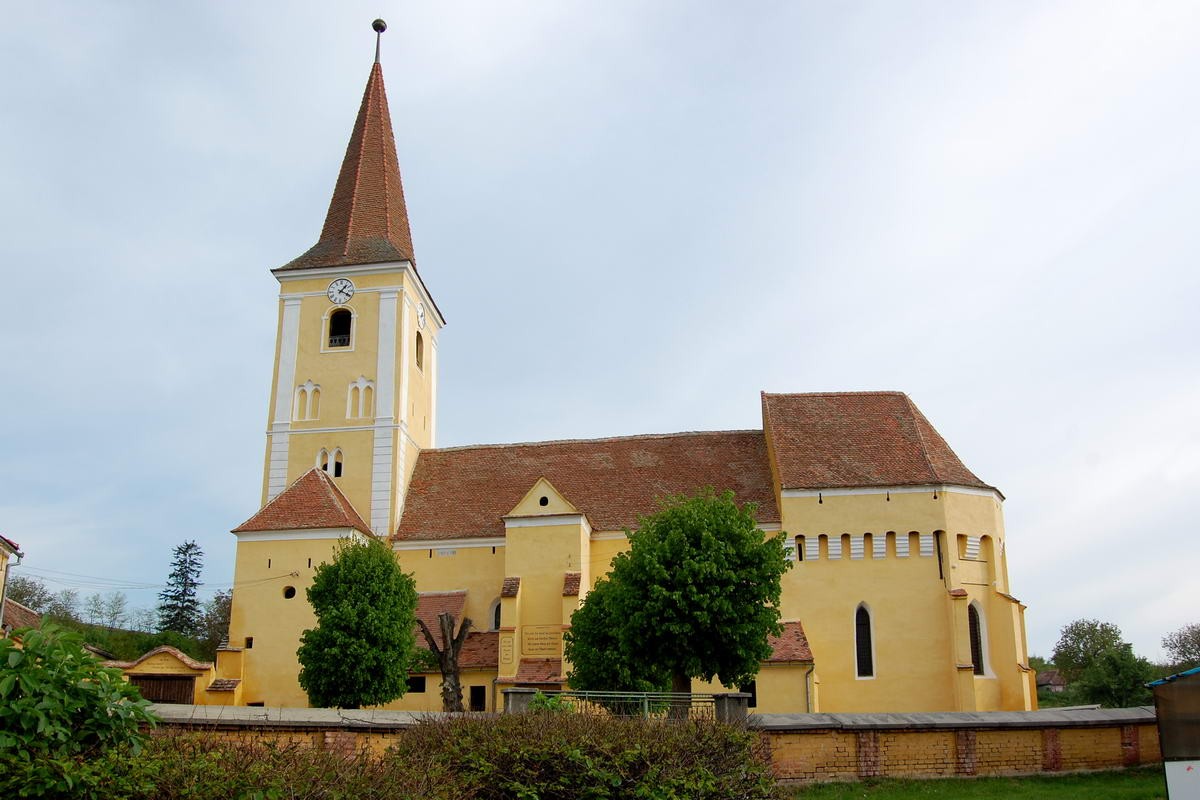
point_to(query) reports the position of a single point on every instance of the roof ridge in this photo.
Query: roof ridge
(546, 442)
(875, 392)
(916, 413)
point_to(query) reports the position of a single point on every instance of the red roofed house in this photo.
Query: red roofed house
(898, 599)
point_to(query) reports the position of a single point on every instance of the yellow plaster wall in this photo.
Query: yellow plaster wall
(270, 669)
(431, 699)
(541, 556)
(477, 569)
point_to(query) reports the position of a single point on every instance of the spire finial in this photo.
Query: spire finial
(379, 26)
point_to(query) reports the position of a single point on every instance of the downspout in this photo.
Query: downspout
(808, 704)
(4, 589)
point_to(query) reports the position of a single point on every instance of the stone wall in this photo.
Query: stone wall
(804, 747)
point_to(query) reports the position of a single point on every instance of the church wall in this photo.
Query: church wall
(541, 555)
(453, 566)
(262, 570)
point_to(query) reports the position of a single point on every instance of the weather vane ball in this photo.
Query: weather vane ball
(379, 26)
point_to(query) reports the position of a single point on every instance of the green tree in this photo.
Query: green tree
(1080, 642)
(30, 592)
(365, 605)
(695, 596)
(593, 646)
(179, 609)
(116, 605)
(1116, 678)
(64, 605)
(1183, 647)
(214, 625)
(59, 708)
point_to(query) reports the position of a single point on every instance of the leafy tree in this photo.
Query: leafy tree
(1117, 678)
(365, 606)
(116, 606)
(1183, 647)
(593, 646)
(93, 608)
(64, 604)
(58, 708)
(30, 592)
(1080, 642)
(214, 626)
(695, 596)
(446, 652)
(179, 609)
(1039, 664)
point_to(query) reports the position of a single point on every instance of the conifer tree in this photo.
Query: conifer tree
(179, 609)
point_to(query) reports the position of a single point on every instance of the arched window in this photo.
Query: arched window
(308, 401)
(496, 615)
(337, 463)
(340, 322)
(323, 459)
(864, 648)
(420, 351)
(975, 628)
(359, 397)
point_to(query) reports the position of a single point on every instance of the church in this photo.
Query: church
(897, 600)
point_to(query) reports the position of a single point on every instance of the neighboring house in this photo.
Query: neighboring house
(8, 550)
(17, 615)
(898, 600)
(1051, 680)
(168, 675)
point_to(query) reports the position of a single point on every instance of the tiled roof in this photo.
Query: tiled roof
(367, 221)
(481, 650)
(571, 584)
(510, 587)
(9, 544)
(464, 492)
(178, 654)
(791, 645)
(17, 615)
(849, 439)
(313, 501)
(958, 592)
(223, 685)
(432, 604)
(539, 670)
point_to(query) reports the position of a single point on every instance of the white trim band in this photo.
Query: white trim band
(865, 490)
(300, 534)
(440, 544)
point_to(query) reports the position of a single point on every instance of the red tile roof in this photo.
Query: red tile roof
(791, 645)
(223, 685)
(481, 650)
(510, 587)
(9, 544)
(176, 653)
(313, 501)
(367, 221)
(432, 604)
(539, 670)
(464, 492)
(571, 584)
(850, 439)
(17, 615)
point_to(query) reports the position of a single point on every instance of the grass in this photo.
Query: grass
(1144, 783)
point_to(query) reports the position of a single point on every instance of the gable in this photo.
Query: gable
(542, 500)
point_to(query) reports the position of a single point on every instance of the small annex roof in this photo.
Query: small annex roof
(431, 605)
(480, 650)
(858, 439)
(538, 671)
(174, 652)
(19, 615)
(9, 544)
(790, 646)
(313, 501)
(464, 492)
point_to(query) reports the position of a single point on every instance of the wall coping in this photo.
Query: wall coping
(1049, 718)
(278, 717)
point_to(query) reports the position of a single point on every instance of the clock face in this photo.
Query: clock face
(340, 291)
(420, 315)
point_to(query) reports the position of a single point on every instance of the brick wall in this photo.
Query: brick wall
(804, 747)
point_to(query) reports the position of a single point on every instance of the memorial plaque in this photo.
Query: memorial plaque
(541, 641)
(506, 650)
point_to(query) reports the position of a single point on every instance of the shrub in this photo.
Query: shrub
(58, 708)
(552, 703)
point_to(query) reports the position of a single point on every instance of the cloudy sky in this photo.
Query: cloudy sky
(635, 217)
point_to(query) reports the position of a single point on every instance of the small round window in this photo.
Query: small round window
(544, 501)
(289, 592)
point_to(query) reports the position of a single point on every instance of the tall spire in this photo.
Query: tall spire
(367, 221)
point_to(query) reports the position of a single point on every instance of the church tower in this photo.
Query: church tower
(355, 378)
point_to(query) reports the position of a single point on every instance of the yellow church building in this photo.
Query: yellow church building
(898, 598)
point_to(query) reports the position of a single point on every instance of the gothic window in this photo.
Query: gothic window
(864, 649)
(420, 351)
(975, 628)
(337, 463)
(359, 397)
(308, 401)
(323, 459)
(340, 323)
(496, 615)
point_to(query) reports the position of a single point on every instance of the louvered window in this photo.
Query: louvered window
(863, 649)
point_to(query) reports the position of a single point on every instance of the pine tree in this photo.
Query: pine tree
(179, 609)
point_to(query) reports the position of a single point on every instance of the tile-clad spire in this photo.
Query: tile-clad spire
(367, 222)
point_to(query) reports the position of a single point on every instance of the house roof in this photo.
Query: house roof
(791, 645)
(176, 653)
(367, 221)
(313, 501)
(464, 492)
(852, 439)
(18, 615)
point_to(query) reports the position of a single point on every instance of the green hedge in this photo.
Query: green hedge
(535, 756)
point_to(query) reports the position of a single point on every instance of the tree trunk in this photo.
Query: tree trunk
(680, 684)
(447, 656)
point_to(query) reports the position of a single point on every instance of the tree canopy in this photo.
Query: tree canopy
(179, 608)
(695, 596)
(1080, 642)
(1183, 647)
(365, 605)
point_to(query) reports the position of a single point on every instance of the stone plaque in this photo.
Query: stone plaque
(543, 641)
(506, 649)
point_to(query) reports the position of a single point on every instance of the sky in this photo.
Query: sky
(635, 216)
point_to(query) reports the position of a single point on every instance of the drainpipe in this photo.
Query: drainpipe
(808, 704)
(4, 589)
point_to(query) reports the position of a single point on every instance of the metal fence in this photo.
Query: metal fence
(648, 705)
